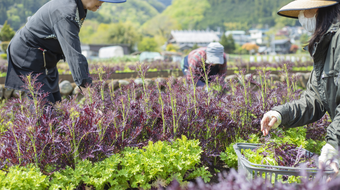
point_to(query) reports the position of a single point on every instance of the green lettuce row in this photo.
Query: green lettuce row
(158, 162)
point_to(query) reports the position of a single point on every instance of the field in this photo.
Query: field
(147, 136)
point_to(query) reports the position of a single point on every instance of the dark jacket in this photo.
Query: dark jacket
(54, 28)
(323, 89)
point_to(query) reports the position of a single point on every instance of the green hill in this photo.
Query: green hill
(188, 14)
(136, 11)
(215, 13)
(17, 11)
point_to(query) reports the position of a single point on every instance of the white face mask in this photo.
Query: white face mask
(308, 23)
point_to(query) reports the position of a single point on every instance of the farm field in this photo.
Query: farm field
(148, 136)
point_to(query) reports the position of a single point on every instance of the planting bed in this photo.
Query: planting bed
(138, 136)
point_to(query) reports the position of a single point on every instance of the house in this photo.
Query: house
(291, 32)
(239, 36)
(264, 50)
(186, 39)
(92, 50)
(282, 46)
(258, 36)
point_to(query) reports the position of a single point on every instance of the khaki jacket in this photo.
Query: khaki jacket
(323, 89)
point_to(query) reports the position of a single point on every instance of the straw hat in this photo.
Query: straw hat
(293, 8)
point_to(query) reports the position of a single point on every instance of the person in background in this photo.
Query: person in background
(50, 35)
(214, 59)
(321, 18)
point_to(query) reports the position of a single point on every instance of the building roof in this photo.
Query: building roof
(194, 36)
(281, 41)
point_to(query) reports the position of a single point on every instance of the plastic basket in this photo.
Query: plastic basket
(270, 172)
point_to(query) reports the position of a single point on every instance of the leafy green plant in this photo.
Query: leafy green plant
(230, 157)
(137, 168)
(97, 175)
(160, 161)
(28, 177)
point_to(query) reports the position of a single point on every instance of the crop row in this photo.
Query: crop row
(158, 162)
(109, 67)
(135, 114)
(107, 121)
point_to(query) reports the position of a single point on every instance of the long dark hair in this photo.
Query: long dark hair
(324, 19)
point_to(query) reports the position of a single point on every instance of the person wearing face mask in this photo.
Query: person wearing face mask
(51, 34)
(321, 18)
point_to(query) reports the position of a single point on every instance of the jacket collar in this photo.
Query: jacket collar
(82, 11)
(334, 27)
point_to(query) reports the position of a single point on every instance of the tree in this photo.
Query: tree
(135, 11)
(188, 13)
(17, 15)
(6, 33)
(228, 43)
(148, 44)
(172, 48)
(195, 46)
(123, 33)
(239, 50)
(251, 47)
(236, 26)
(304, 39)
(293, 48)
(116, 33)
(283, 21)
(160, 25)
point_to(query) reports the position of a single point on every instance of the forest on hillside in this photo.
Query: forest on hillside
(138, 11)
(189, 14)
(17, 11)
(235, 14)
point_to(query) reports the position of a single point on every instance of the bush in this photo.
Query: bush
(3, 56)
(4, 46)
(148, 44)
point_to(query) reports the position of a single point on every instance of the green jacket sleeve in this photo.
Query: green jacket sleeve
(307, 109)
(333, 130)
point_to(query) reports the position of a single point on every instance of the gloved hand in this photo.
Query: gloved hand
(270, 120)
(328, 157)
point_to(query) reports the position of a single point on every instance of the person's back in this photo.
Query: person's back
(51, 34)
(211, 57)
(41, 24)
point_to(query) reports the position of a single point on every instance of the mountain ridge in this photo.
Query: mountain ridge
(189, 14)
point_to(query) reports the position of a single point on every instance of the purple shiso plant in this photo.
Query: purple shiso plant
(109, 120)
